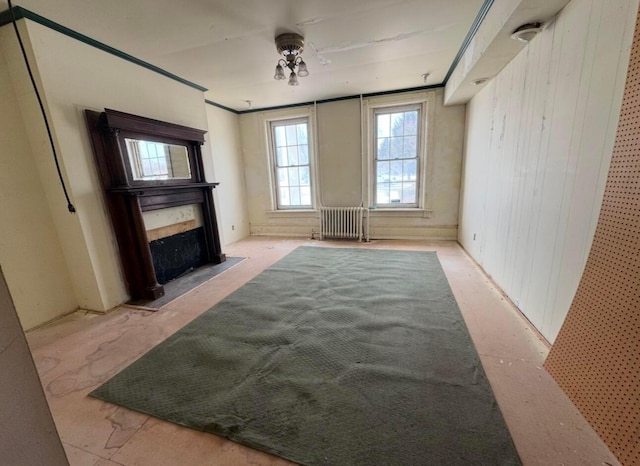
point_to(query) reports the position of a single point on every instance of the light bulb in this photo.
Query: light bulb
(293, 79)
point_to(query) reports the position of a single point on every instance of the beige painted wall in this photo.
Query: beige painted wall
(74, 77)
(342, 171)
(224, 138)
(538, 145)
(30, 250)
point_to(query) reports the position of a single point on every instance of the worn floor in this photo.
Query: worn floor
(77, 353)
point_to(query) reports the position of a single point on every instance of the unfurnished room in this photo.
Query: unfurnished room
(326, 233)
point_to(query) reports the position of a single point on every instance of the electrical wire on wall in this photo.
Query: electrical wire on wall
(70, 206)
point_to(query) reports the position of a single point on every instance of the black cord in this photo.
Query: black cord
(70, 206)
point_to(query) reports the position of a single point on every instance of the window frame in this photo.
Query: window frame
(273, 161)
(387, 111)
(391, 104)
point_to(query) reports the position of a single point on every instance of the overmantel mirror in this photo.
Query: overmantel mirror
(161, 205)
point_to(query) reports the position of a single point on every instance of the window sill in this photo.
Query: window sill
(400, 212)
(292, 213)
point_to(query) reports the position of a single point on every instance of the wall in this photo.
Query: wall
(341, 172)
(538, 145)
(73, 77)
(30, 249)
(224, 137)
(27, 432)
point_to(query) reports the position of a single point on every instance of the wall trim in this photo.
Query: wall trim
(216, 104)
(23, 13)
(337, 99)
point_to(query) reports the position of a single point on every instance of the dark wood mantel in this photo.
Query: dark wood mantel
(127, 197)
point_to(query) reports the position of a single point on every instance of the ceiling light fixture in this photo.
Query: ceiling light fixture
(290, 46)
(479, 81)
(526, 32)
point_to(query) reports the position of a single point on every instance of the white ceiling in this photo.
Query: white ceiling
(351, 46)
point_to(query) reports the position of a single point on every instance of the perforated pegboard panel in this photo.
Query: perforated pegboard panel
(596, 357)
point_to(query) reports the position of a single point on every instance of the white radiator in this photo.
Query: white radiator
(342, 222)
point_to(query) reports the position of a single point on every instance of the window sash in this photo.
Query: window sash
(396, 159)
(291, 164)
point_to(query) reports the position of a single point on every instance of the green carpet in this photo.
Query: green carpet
(330, 357)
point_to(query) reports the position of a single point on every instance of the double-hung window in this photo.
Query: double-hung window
(292, 163)
(396, 157)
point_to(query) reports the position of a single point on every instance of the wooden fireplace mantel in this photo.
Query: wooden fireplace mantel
(127, 197)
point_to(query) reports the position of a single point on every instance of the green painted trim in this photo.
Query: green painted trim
(408, 89)
(5, 18)
(216, 104)
(277, 107)
(482, 14)
(346, 97)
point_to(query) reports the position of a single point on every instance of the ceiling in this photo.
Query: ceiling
(351, 46)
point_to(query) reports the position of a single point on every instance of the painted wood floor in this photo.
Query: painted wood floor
(79, 352)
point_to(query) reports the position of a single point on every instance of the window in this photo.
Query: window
(292, 164)
(396, 158)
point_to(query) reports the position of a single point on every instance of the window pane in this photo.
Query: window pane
(303, 155)
(305, 195)
(284, 196)
(283, 160)
(283, 177)
(409, 193)
(295, 196)
(409, 170)
(293, 177)
(395, 193)
(302, 133)
(397, 124)
(382, 123)
(383, 148)
(305, 179)
(411, 123)
(382, 193)
(382, 171)
(395, 172)
(410, 147)
(280, 136)
(395, 151)
(292, 154)
(292, 140)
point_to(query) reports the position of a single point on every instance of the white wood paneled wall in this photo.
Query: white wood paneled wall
(538, 144)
